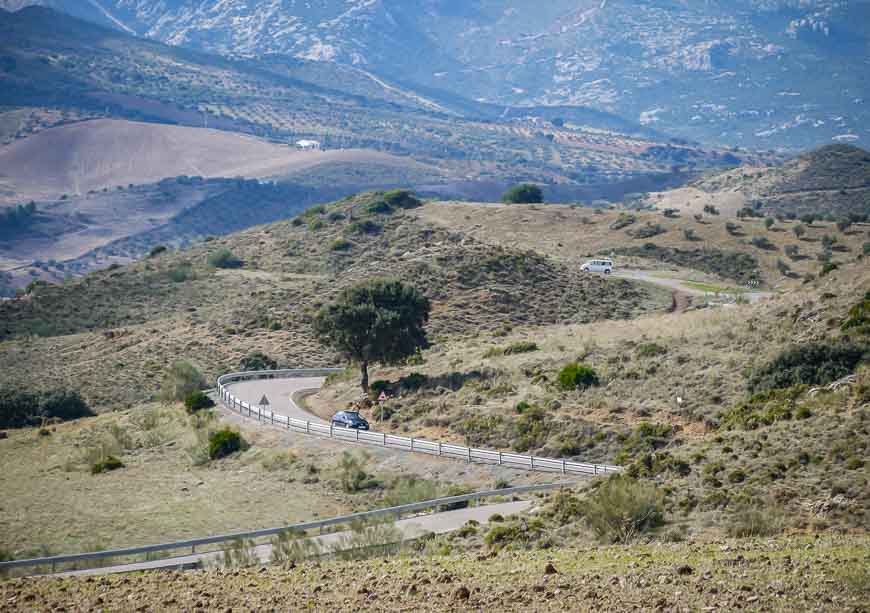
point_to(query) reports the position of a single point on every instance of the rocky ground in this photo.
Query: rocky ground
(787, 574)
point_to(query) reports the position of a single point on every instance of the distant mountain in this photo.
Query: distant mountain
(760, 73)
(56, 69)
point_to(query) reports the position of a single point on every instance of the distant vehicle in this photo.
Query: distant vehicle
(605, 266)
(349, 419)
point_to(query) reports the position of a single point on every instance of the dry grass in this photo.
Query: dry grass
(574, 235)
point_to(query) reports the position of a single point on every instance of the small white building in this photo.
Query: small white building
(308, 145)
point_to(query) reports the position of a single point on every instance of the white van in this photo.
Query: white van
(605, 266)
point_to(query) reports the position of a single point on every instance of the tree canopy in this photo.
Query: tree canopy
(381, 320)
(524, 193)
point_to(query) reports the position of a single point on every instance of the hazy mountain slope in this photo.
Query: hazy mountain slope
(745, 72)
(832, 181)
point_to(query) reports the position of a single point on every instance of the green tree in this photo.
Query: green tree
(381, 320)
(524, 193)
(799, 230)
(768, 223)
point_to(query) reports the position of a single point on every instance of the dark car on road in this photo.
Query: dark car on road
(349, 419)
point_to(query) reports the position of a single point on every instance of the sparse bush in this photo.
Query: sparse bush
(158, 250)
(792, 251)
(689, 235)
(225, 442)
(622, 509)
(352, 473)
(712, 210)
(648, 231)
(180, 273)
(754, 521)
(197, 401)
(865, 248)
(292, 546)
(762, 242)
(828, 268)
(257, 361)
(858, 319)
(341, 244)
(732, 228)
(108, 464)
(180, 381)
(377, 207)
(524, 193)
(623, 221)
(809, 364)
(650, 350)
(577, 376)
(671, 213)
(241, 554)
(769, 223)
(799, 230)
(224, 258)
(515, 533)
(367, 226)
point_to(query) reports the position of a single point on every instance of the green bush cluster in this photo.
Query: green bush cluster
(650, 350)
(648, 231)
(197, 401)
(366, 226)
(224, 258)
(524, 193)
(764, 409)
(108, 464)
(22, 409)
(623, 221)
(180, 381)
(577, 376)
(857, 321)
(817, 363)
(341, 244)
(225, 442)
(257, 361)
(645, 438)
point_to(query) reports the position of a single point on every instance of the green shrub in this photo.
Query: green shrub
(180, 381)
(577, 376)
(110, 463)
(197, 401)
(180, 273)
(622, 509)
(865, 248)
(762, 242)
(828, 268)
(858, 319)
(341, 244)
(648, 231)
(514, 533)
(496, 518)
(379, 386)
(257, 361)
(159, 249)
(402, 199)
(21, 409)
(524, 193)
(646, 438)
(521, 347)
(316, 224)
(378, 207)
(810, 364)
(854, 463)
(366, 226)
(225, 442)
(224, 258)
(650, 350)
(623, 221)
(413, 382)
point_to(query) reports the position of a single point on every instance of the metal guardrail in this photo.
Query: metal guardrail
(254, 534)
(382, 439)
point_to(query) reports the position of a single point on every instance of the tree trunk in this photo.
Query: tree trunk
(364, 369)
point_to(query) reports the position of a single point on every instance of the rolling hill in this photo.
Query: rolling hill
(832, 182)
(92, 155)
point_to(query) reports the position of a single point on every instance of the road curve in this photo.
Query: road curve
(411, 528)
(678, 285)
(280, 393)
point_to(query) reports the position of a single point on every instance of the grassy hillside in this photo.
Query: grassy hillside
(831, 182)
(143, 316)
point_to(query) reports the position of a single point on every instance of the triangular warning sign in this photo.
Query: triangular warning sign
(264, 401)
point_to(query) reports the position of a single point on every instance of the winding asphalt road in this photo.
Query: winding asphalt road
(280, 393)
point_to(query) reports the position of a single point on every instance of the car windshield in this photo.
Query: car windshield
(352, 415)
